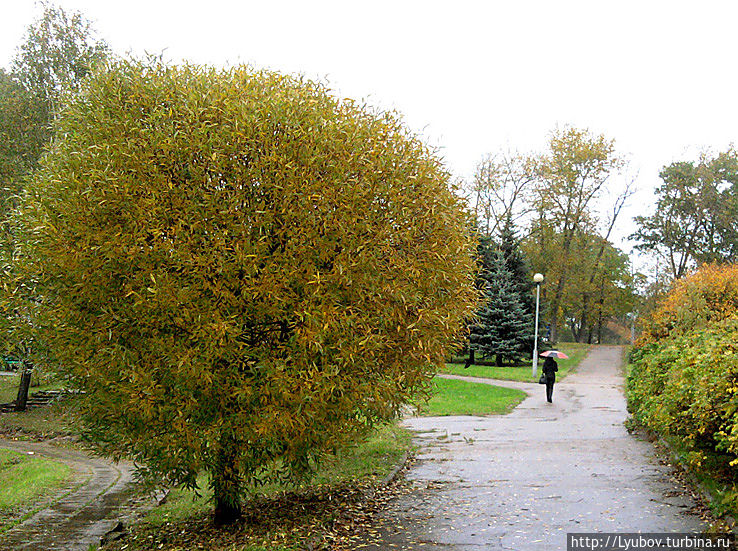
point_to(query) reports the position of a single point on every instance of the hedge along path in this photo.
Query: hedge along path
(87, 508)
(523, 480)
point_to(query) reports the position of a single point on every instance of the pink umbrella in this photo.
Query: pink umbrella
(554, 354)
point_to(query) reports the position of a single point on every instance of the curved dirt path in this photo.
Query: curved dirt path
(100, 494)
(523, 480)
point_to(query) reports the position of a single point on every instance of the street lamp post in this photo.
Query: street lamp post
(538, 278)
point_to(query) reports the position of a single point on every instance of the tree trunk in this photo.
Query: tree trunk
(499, 360)
(568, 233)
(600, 308)
(470, 360)
(21, 400)
(225, 512)
(583, 319)
(226, 484)
(558, 295)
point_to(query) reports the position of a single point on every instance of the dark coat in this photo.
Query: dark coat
(549, 369)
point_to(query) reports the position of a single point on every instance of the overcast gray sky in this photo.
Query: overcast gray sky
(472, 77)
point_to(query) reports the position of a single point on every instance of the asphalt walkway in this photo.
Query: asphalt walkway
(100, 494)
(522, 481)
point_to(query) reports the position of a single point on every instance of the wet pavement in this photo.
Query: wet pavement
(522, 481)
(100, 494)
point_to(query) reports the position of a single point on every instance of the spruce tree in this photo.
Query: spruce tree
(517, 265)
(522, 278)
(502, 327)
(509, 326)
(478, 330)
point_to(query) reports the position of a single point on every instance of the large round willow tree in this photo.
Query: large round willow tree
(242, 272)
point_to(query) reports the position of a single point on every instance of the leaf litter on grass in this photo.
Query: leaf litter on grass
(320, 518)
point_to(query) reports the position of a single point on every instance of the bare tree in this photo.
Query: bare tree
(501, 189)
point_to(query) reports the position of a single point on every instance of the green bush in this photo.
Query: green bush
(688, 387)
(684, 379)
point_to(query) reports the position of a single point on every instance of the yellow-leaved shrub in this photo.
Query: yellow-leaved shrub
(684, 380)
(706, 296)
(241, 271)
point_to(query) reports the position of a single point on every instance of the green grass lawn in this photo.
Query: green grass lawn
(9, 387)
(575, 351)
(453, 397)
(57, 419)
(25, 480)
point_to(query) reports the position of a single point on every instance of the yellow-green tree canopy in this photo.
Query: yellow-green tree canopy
(240, 270)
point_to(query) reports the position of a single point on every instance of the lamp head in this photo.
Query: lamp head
(538, 278)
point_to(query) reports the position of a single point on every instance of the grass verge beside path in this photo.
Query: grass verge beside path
(9, 387)
(329, 509)
(454, 397)
(24, 481)
(56, 419)
(575, 351)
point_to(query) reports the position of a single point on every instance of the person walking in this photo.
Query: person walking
(550, 367)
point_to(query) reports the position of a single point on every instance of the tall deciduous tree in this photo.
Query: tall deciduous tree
(571, 176)
(23, 133)
(58, 51)
(599, 275)
(241, 271)
(695, 216)
(501, 190)
(600, 288)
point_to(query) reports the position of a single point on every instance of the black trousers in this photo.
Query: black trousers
(549, 390)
